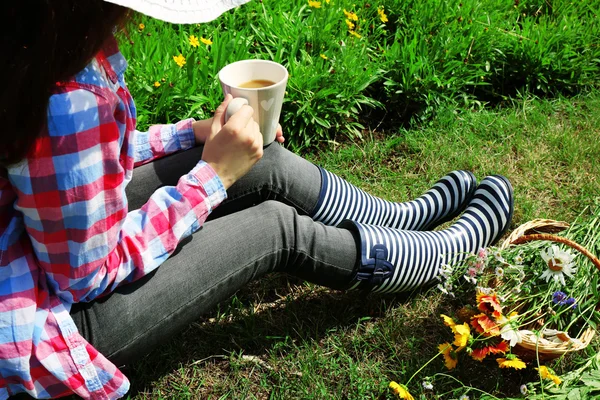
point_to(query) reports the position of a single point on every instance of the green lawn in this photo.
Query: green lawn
(282, 339)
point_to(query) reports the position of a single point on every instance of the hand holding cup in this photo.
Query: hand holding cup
(233, 147)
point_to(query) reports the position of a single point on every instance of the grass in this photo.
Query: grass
(436, 87)
(283, 339)
(350, 59)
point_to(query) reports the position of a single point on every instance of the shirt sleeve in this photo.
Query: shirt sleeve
(161, 140)
(71, 193)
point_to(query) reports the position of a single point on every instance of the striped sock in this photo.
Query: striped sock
(339, 200)
(393, 260)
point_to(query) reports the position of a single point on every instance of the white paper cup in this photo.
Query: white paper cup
(266, 101)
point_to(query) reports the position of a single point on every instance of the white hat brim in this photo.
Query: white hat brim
(181, 11)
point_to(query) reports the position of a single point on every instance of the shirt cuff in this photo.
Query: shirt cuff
(210, 181)
(185, 133)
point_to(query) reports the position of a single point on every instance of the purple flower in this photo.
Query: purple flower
(570, 302)
(559, 297)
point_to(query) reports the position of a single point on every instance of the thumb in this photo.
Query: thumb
(220, 111)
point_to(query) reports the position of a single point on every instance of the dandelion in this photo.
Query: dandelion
(350, 24)
(382, 16)
(179, 60)
(523, 389)
(427, 385)
(509, 331)
(559, 262)
(141, 27)
(355, 34)
(450, 356)
(546, 373)
(194, 41)
(511, 361)
(157, 84)
(207, 42)
(400, 390)
(350, 15)
(324, 57)
(314, 4)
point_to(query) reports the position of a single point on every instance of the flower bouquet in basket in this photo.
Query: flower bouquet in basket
(530, 300)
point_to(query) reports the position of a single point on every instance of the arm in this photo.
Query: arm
(71, 194)
(161, 140)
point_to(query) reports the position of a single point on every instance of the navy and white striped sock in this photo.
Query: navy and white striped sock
(393, 260)
(340, 200)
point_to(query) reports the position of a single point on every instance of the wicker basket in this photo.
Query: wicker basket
(531, 345)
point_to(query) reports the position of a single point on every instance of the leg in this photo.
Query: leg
(221, 257)
(283, 176)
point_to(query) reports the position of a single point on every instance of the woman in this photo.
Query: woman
(81, 241)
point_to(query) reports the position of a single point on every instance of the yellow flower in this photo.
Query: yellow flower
(511, 361)
(194, 41)
(462, 333)
(382, 16)
(448, 321)
(324, 57)
(350, 24)
(327, 1)
(180, 60)
(546, 374)
(141, 27)
(157, 84)
(314, 4)
(355, 34)
(207, 42)
(450, 356)
(350, 15)
(401, 391)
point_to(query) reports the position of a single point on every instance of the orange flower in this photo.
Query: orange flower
(500, 348)
(483, 324)
(480, 354)
(450, 356)
(489, 303)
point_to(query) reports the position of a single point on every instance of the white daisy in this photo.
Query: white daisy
(427, 385)
(559, 262)
(523, 389)
(510, 330)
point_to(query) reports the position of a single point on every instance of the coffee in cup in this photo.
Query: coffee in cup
(262, 84)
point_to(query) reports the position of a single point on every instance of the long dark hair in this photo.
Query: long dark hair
(44, 42)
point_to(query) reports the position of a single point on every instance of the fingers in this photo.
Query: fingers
(240, 119)
(220, 111)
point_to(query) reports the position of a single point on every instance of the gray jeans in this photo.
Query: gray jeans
(261, 228)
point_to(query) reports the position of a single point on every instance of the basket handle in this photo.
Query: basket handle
(559, 239)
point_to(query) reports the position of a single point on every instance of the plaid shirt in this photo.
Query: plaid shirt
(66, 234)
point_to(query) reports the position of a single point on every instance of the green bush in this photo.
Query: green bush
(469, 54)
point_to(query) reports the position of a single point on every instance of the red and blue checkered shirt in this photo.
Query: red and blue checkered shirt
(66, 234)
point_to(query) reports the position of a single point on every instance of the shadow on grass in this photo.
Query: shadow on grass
(264, 316)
